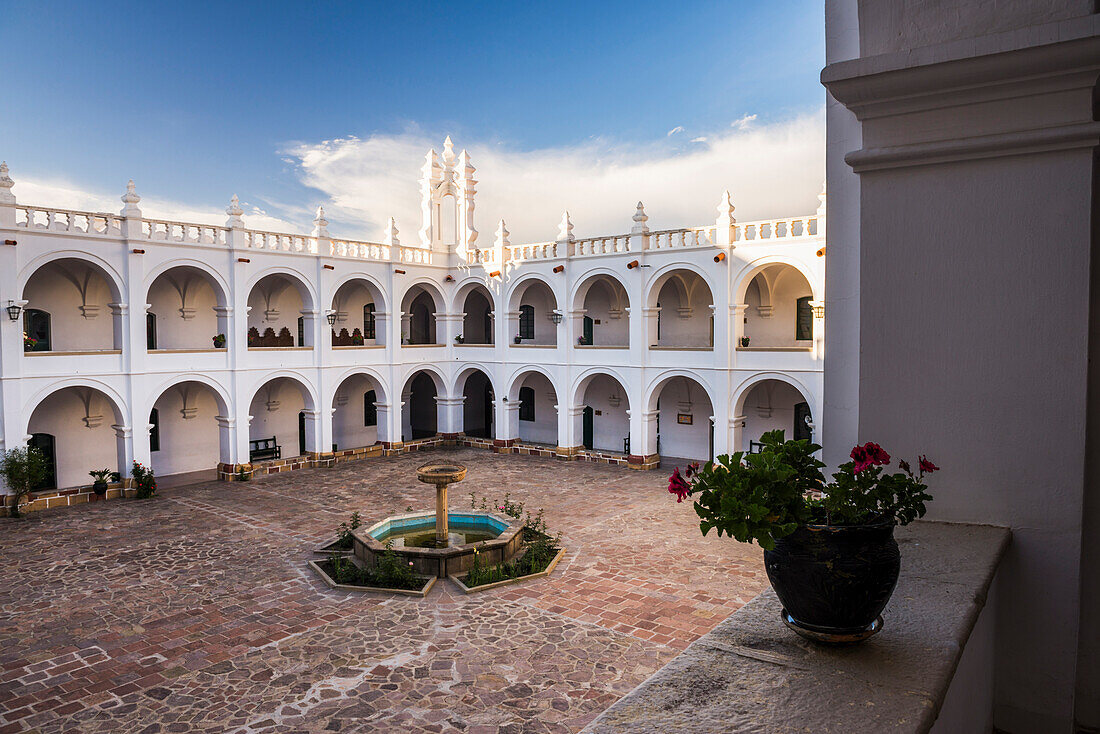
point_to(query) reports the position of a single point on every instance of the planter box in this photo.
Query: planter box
(429, 582)
(496, 584)
(329, 548)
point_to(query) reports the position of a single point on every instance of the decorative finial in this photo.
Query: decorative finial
(320, 224)
(234, 211)
(6, 196)
(502, 235)
(131, 199)
(448, 150)
(391, 233)
(640, 219)
(565, 229)
(725, 210)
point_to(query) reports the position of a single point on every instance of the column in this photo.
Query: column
(449, 418)
(643, 439)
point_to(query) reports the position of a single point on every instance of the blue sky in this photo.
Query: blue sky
(197, 101)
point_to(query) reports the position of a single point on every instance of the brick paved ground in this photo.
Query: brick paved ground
(195, 612)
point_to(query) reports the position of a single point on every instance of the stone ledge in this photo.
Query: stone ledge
(753, 674)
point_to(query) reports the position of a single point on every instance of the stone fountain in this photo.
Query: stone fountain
(442, 542)
(442, 474)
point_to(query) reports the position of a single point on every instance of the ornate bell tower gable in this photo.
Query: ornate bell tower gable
(442, 177)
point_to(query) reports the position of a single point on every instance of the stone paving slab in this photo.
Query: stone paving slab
(195, 611)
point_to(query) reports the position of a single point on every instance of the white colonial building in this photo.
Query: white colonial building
(188, 347)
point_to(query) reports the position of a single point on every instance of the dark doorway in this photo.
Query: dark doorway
(150, 331)
(801, 415)
(422, 407)
(477, 409)
(587, 330)
(587, 427)
(302, 433)
(44, 442)
(37, 325)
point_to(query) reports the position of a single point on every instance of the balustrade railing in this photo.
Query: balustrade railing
(258, 240)
(772, 229)
(359, 250)
(165, 231)
(66, 220)
(602, 245)
(665, 239)
(532, 251)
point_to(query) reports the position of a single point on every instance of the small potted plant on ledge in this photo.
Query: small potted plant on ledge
(829, 548)
(29, 342)
(517, 339)
(100, 477)
(582, 341)
(744, 341)
(219, 341)
(459, 339)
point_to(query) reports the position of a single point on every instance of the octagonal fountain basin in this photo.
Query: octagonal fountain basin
(497, 539)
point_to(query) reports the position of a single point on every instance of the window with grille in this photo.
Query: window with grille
(526, 404)
(804, 319)
(368, 321)
(370, 410)
(526, 322)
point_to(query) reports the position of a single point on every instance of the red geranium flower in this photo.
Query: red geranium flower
(868, 455)
(927, 466)
(677, 485)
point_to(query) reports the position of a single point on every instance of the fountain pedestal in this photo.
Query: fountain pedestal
(442, 474)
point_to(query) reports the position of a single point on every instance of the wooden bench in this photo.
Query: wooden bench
(264, 448)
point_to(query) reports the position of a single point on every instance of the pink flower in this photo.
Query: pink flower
(692, 469)
(926, 466)
(904, 466)
(868, 455)
(677, 485)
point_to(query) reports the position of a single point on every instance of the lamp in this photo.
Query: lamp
(555, 316)
(331, 316)
(14, 310)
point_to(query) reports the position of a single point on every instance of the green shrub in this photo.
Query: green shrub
(23, 469)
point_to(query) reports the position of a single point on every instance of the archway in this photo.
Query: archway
(420, 412)
(418, 308)
(355, 417)
(360, 313)
(477, 405)
(602, 420)
(187, 310)
(86, 430)
(188, 431)
(72, 305)
(777, 308)
(477, 319)
(282, 409)
(684, 311)
(281, 313)
(684, 422)
(538, 408)
(770, 404)
(601, 307)
(533, 308)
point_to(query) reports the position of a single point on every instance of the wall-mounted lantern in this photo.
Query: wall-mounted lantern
(331, 316)
(14, 309)
(556, 316)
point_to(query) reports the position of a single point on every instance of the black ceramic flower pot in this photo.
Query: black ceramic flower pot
(835, 579)
(99, 488)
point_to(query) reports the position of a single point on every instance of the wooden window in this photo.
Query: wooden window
(370, 410)
(526, 321)
(150, 331)
(36, 323)
(526, 404)
(154, 430)
(301, 331)
(804, 319)
(368, 321)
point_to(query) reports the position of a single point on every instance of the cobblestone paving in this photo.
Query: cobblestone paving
(195, 611)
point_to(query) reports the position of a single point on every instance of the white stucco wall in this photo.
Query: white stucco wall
(682, 440)
(279, 420)
(80, 445)
(544, 429)
(77, 321)
(685, 329)
(188, 321)
(610, 423)
(348, 429)
(275, 303)
(610, 324)
(189, 440)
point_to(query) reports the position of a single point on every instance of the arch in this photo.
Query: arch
(223, 398)
(745, 276)
(668, 272)
(113, 277)
(680, 429)
(356, 420)
(536, 414)
(427, 285)
(464, 372)
(357, 304)
(521, 373)
(585, 377)
(182, 312)
(521, 286)
(369, 372)
(72, 412)
(305, 289)
(420, 412)
(590, 278)
(737, 395)
(749, 425)
(379, 291)
(470, 284)
(478, 393)
(312, 399)
(477, 304)
(434, 372)
(184, 444)
(221, 286)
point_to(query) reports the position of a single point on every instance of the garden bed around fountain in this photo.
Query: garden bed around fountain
(370, 543)
(321, 568)
(459, 580)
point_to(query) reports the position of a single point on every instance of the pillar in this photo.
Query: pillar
(449, 418)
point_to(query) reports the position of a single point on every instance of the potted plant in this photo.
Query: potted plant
(459, 339)
(100, 477)
(582, 341)
(517, 339)
(744, 341)
(29, 342)
(23, 469)
(829, 548)
(145, 483)
(219, 341)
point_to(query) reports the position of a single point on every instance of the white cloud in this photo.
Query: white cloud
(674, 131)
(699, 140)
(743, 123)
(772, 170)
(67, 195)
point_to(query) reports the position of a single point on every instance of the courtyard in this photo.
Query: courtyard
(195, 611)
